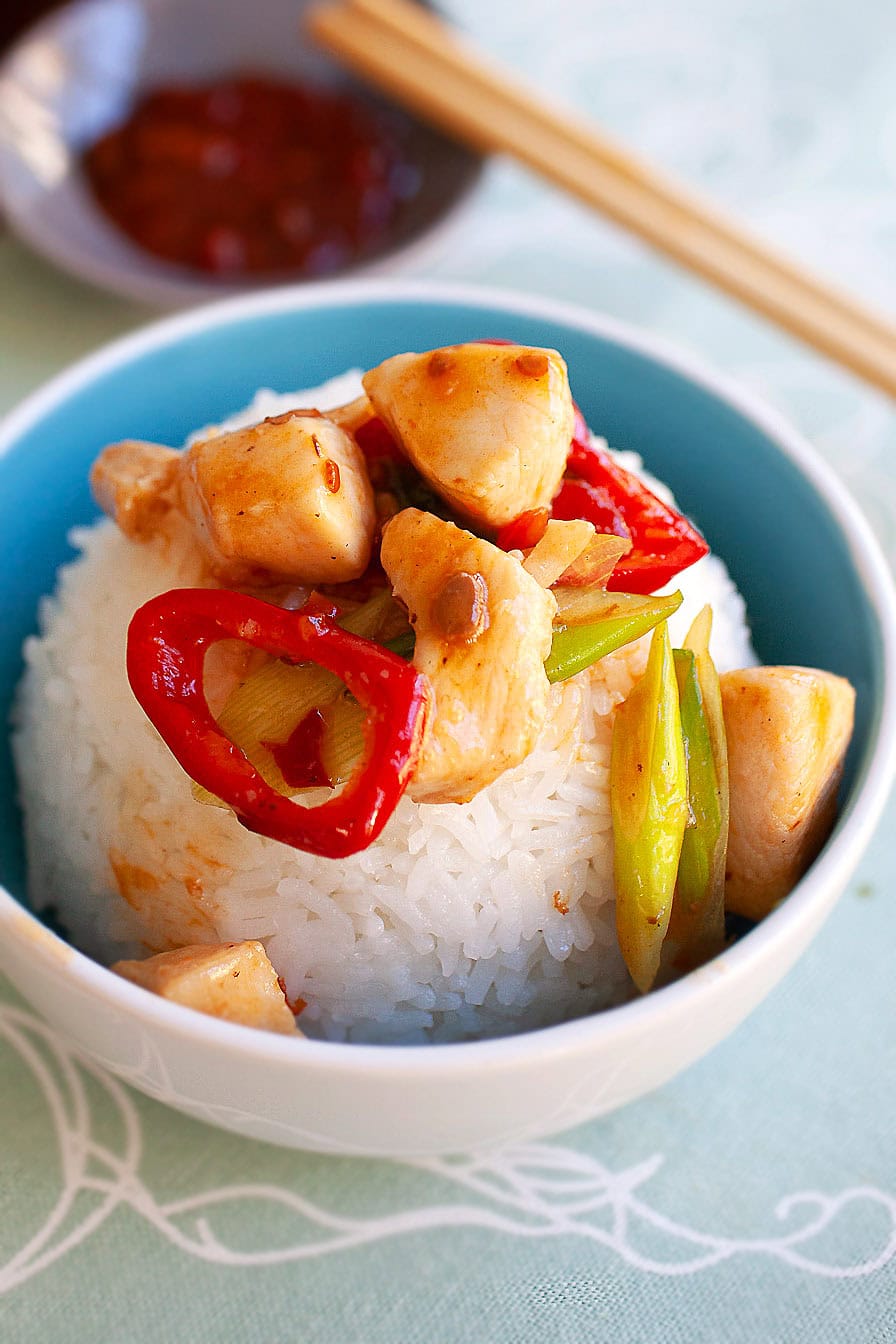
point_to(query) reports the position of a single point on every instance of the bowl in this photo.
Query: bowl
(74, 75)
(818, 592)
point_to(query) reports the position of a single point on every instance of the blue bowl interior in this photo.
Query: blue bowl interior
(784, 548)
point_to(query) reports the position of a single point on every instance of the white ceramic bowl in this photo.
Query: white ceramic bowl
(73, 76)
(726, 456)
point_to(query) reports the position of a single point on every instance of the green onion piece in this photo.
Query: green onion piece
(343, 739)
(367, 619)
(713, 923)
(576, 647)
(649, 806)
(403, 645)
(270, 704)
(697, 926)
(584, 606)
(698, 641)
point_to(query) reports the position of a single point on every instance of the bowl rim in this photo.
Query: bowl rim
(832, 869)
(144, 278)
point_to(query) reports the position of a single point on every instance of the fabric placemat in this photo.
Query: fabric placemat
(751, 1200)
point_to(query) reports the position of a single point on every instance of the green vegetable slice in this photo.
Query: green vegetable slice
(649, 806)
(584, 606)
(698, 912)
(576, 647)
(266, 708)
(403, 645)
(697, 924)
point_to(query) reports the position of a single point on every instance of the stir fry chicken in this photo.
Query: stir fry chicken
(483, 631)
(788, 729)
(136, 484)
(290, 496)
(488, 426)
(489, 429)
(287, 499)
(233, 981)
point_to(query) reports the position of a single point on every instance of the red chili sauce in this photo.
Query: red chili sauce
(250, 175)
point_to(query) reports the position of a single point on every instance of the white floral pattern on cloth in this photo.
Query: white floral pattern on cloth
(537, 1190)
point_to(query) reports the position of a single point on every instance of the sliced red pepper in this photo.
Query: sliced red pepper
(602, 492)
(167, 642)
(299, 758)
(594, 503)
(376, 443)
(663, 541)
(525, 531)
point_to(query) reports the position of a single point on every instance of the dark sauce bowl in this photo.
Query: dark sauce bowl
(77, 75)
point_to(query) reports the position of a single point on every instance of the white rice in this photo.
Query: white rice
(462, 921)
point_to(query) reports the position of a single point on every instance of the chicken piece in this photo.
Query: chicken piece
(135, 484)
(289, 497)
(285, 500)
(483, 631)
(488, 426)
(788, 729)
(233, 981)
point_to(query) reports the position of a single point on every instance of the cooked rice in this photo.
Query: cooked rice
(463, 920)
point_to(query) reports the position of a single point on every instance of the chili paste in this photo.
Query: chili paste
(249, 175)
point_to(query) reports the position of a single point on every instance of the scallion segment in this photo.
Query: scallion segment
(649, 807)
(697, 925)
(576, 647)
(697, 928)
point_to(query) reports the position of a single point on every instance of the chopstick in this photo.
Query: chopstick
(421, 62)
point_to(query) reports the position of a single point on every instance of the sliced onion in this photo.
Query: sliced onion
(562, 543)
(597, 562)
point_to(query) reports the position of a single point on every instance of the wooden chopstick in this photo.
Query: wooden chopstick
(411, 21)
(412, 55)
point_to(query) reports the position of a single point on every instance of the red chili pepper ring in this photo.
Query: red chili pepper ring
(167, 642)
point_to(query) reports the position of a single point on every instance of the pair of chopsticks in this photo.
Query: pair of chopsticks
(411, 55)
